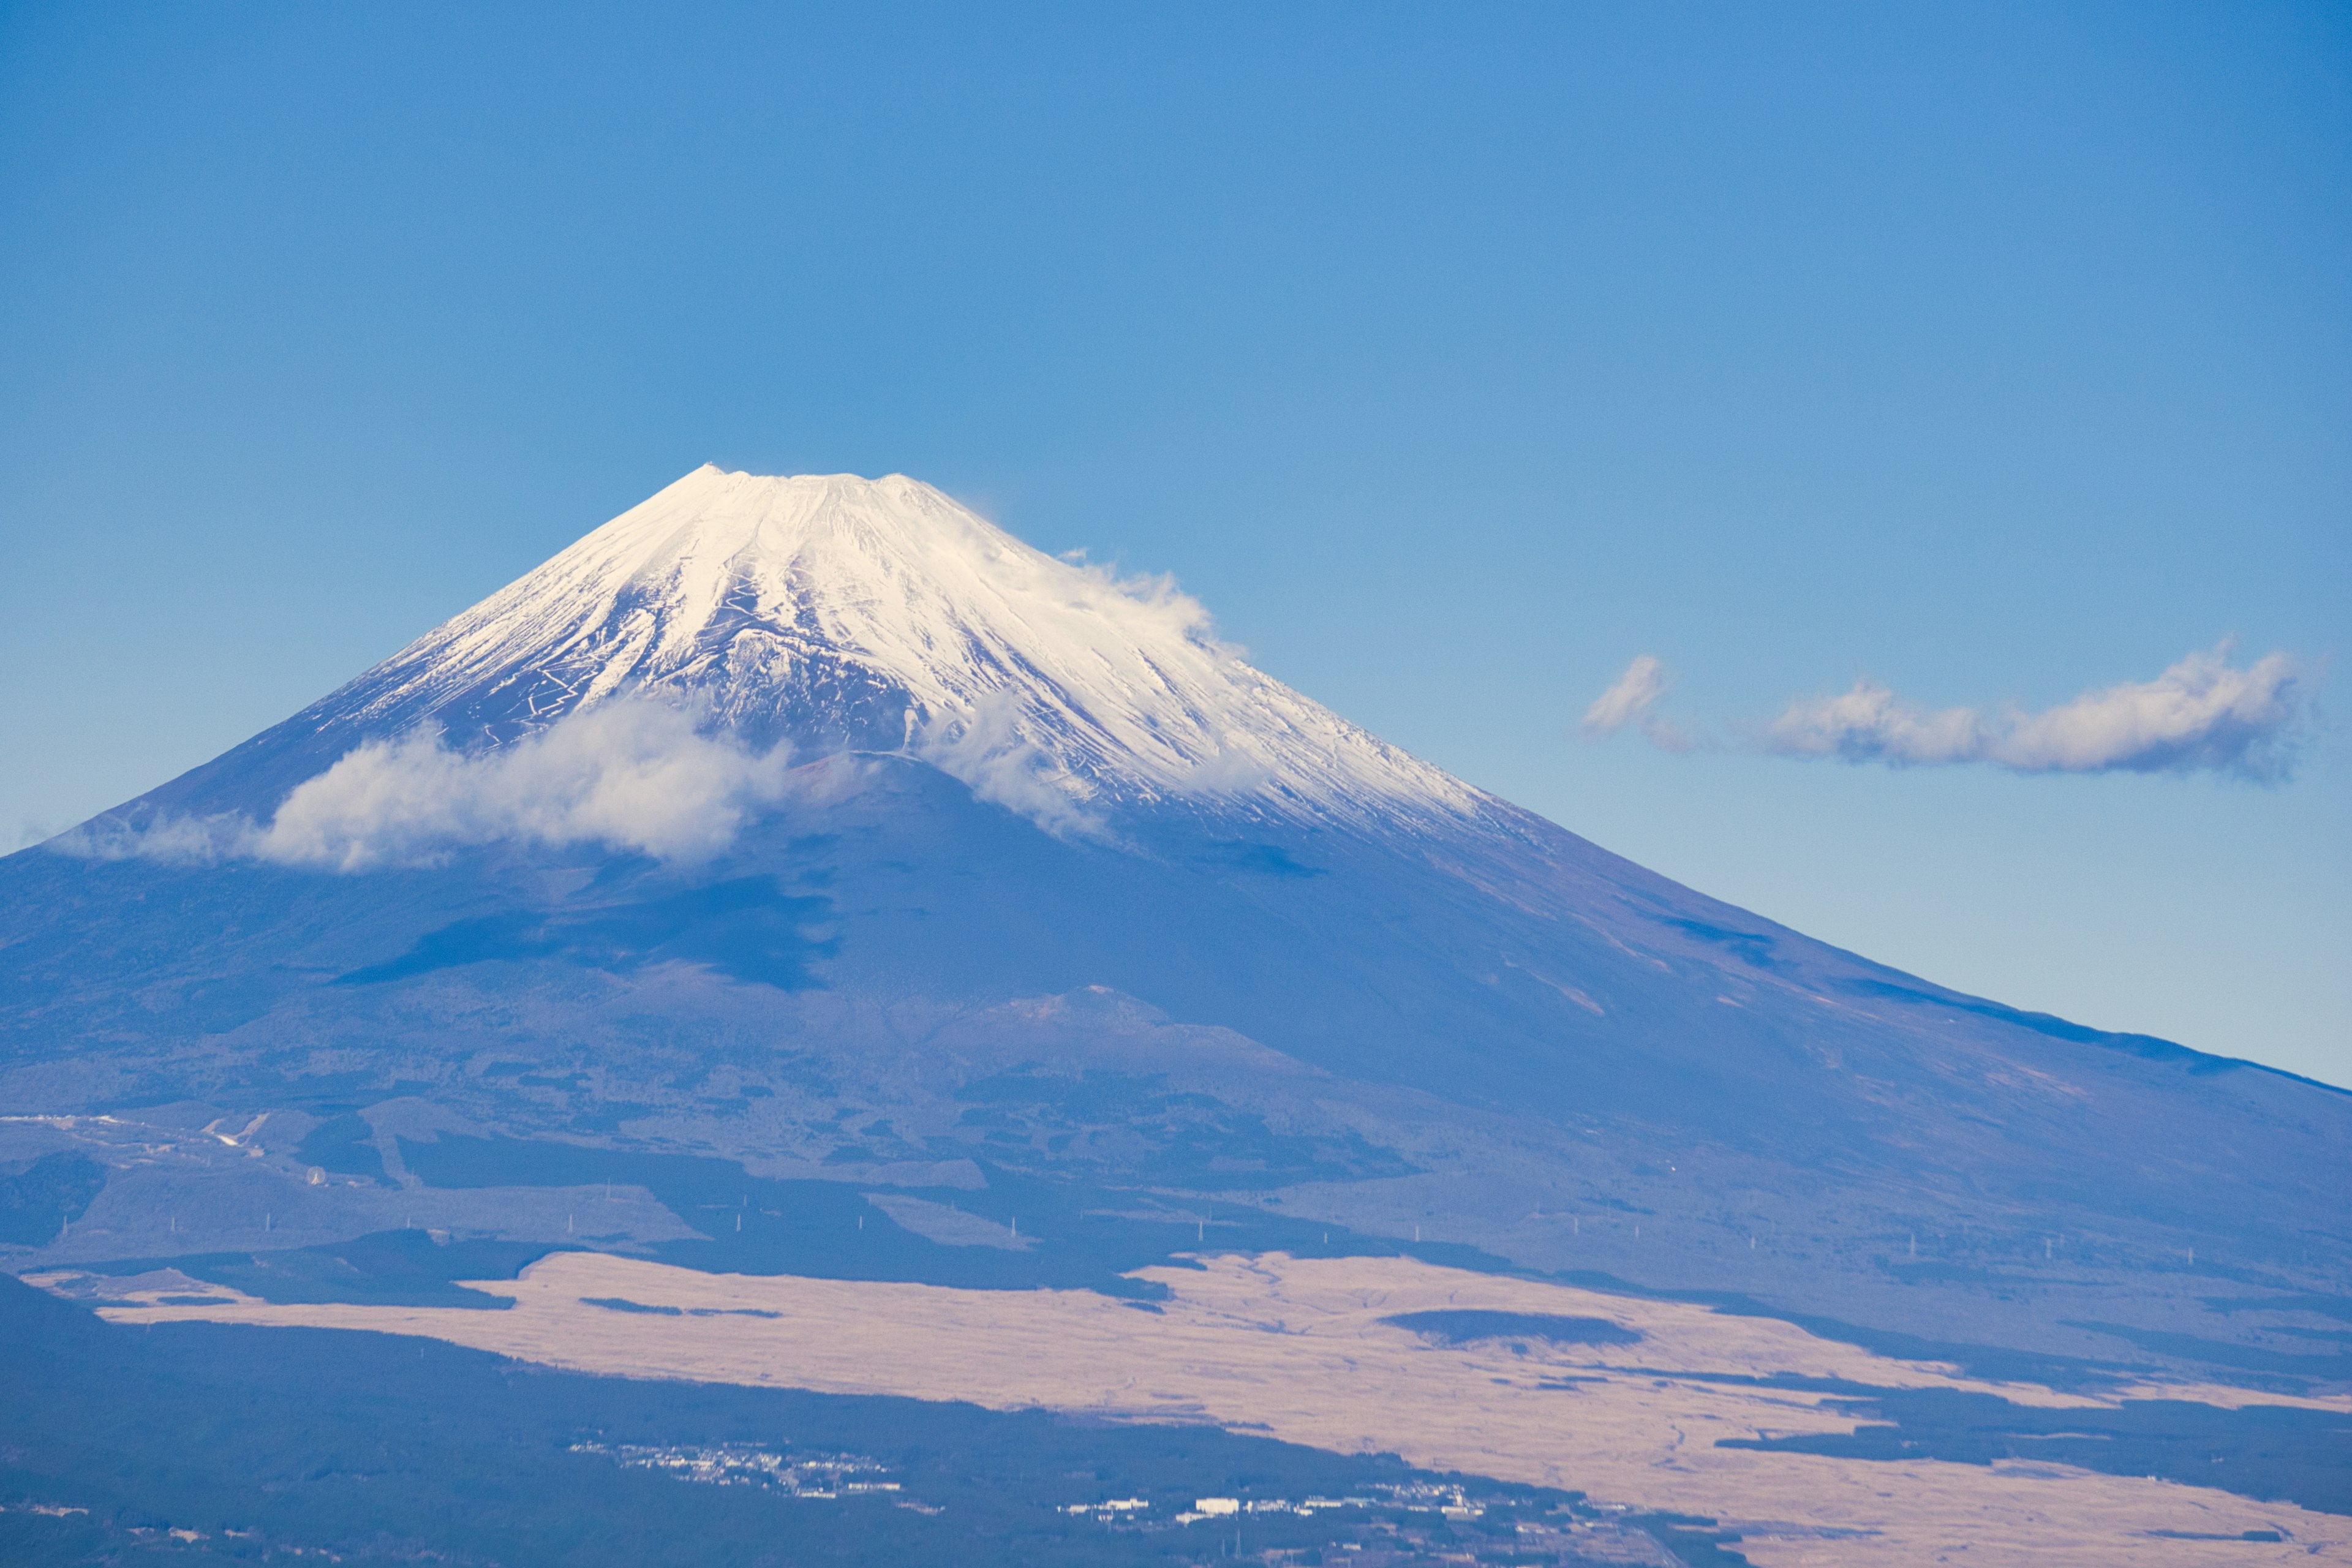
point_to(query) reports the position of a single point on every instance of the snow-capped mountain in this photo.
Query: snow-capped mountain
(1010, 865)
(835, 612)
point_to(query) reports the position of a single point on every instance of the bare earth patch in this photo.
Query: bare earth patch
(1297, 1349)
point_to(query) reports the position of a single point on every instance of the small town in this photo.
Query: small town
(817, 1477)
(1381, 1525)
(1451, 1501)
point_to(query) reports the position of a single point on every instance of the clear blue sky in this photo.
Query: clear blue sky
(1453, 355)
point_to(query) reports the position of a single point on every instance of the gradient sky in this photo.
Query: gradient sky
(1453, 356)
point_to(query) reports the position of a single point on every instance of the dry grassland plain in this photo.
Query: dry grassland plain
(1297, 1349)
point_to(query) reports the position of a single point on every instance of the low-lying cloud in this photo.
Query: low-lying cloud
(987, 751)
(632, 774)
(629, 774)
(2202, 715)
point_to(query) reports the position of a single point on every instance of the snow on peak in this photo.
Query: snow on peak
(837, 612)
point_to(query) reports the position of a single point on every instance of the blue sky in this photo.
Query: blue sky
(1454, 357)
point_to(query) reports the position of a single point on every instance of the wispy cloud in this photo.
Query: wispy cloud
(2202, 715)
(1629, 700)
(987, 750)
(2205, 714)
(179, 840)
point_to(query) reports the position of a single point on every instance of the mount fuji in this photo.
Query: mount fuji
(815, 830)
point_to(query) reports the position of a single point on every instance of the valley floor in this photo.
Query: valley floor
(1634, 1406)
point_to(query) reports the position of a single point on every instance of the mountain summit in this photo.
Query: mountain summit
(831, 613)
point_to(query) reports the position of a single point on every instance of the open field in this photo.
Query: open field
(1302, 1350)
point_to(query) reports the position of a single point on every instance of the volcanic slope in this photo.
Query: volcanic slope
(813, 832)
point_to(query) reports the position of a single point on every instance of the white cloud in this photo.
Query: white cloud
(986, 750)
(2200, 715)
(629, 774)
(1870, 723)
(1643, 682)
(1631, 698)
(180, 840)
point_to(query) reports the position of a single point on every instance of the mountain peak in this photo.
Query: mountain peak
(834, 612)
